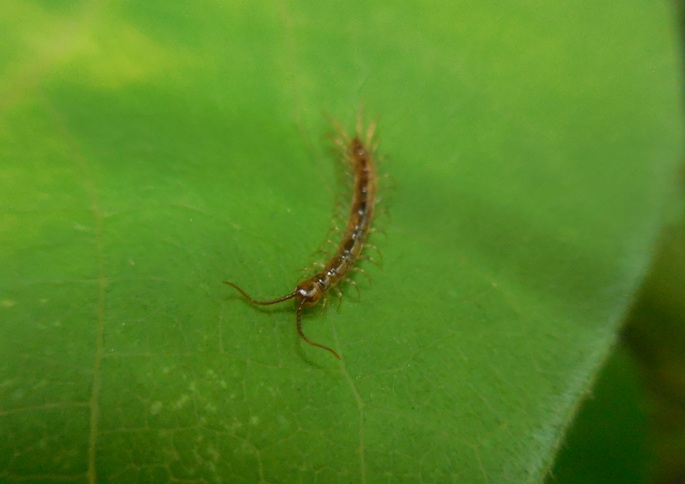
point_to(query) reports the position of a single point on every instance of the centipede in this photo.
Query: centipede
(357, 153)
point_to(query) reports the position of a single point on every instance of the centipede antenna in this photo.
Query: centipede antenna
(261, 303)
(307, 340)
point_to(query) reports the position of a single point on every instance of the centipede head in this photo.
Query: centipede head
(309, 293)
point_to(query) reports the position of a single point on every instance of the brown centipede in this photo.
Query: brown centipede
(358, 154)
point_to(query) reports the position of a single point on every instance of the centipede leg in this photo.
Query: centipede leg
(353, 284)
(341, 138)
(376, 250)
(370, 131)
(370, 259)
(381, 231)
(338, 293)
(382, 211)
(362, 272)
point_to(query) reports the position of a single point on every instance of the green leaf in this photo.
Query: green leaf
(151, 150)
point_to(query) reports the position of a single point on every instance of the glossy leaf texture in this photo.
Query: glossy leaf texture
(151, 150)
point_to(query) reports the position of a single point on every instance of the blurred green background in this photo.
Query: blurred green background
(150, 150)
(632, 427)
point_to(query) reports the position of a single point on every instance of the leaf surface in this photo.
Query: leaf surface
(149, 151)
